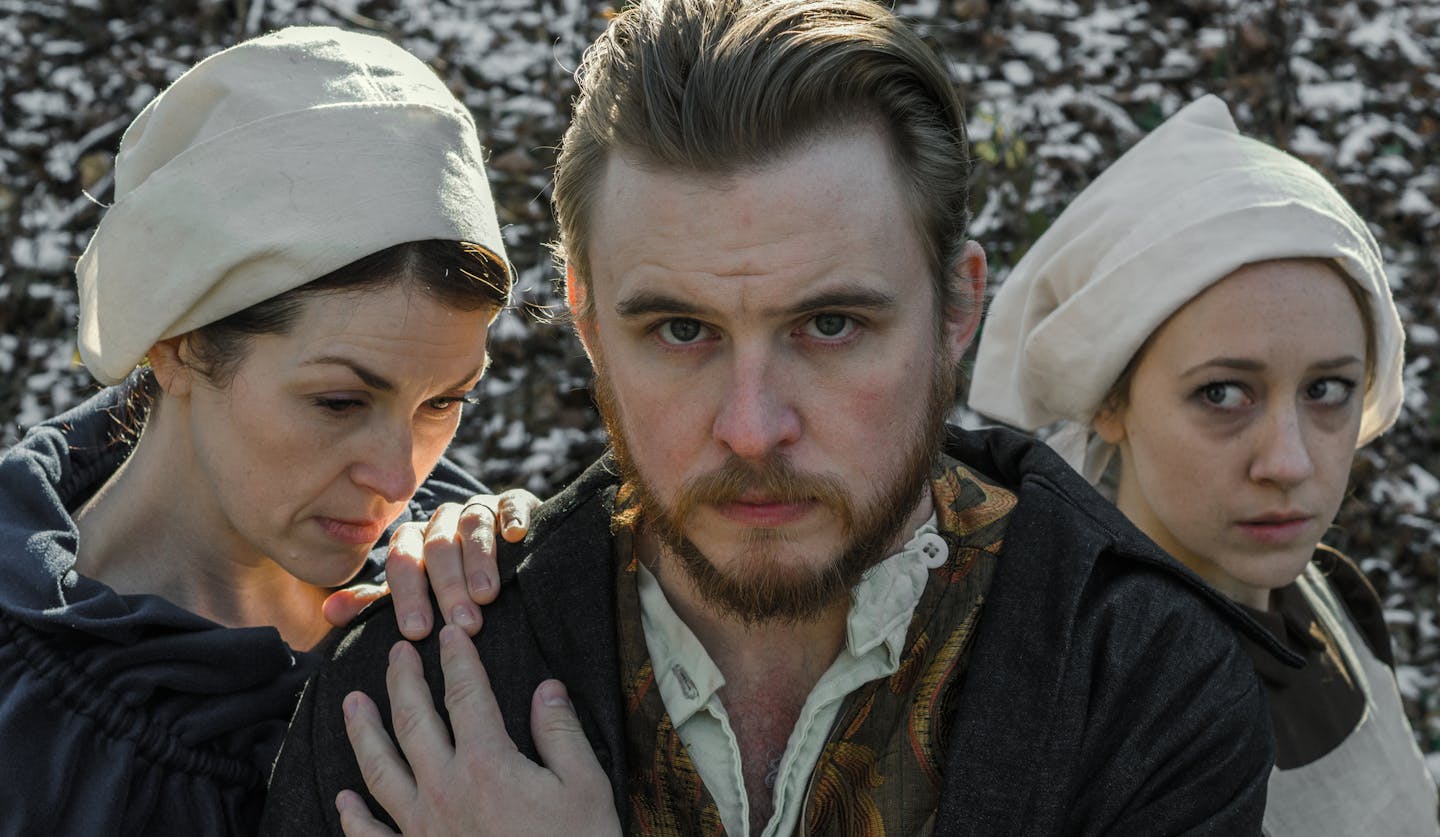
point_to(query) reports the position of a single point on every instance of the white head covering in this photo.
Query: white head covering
(268, 165)
(1188, 205)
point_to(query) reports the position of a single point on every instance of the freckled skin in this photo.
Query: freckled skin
(1237, 439)
(273, 464)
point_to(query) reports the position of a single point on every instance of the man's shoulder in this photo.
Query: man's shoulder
(1068, 550)
(572, 526)
(1100, 666)
(553, 617)
(1056, 516)
(568, 543)
(1033, 471)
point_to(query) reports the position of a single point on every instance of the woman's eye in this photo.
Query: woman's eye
(1330, 392)
(829, 326)
(337, 405)
(1221, 395)
(447, 403)
(680, 331)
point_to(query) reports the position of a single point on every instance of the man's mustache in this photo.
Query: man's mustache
(774, 479)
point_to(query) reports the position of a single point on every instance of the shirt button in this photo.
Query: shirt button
(933, 550)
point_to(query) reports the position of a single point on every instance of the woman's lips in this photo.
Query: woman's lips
(353, 532)
(1276, 529)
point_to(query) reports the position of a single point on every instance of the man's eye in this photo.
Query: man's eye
(830, 326)
(679, 332)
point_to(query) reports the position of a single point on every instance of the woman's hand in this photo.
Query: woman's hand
(481, 784)
(453, 554)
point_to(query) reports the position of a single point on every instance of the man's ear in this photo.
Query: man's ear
(577, 297)
(1109, 423)
(967, 280)
(172, 373)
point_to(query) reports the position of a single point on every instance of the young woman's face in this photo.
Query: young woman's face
(324, 433)
(1241, 423)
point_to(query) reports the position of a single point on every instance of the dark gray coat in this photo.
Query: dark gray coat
(1106, 693)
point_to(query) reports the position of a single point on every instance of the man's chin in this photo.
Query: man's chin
(766, 577)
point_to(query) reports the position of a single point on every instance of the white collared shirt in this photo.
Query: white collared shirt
(881, 607)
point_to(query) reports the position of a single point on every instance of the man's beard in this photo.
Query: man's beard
(758, 588)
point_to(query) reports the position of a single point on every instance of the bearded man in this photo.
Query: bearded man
(790, 598)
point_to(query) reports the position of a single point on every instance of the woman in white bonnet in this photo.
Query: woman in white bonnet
(1212, 312)
(290, 295)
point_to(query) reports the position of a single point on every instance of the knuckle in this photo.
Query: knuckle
(372, 767)
(478, 768)
(443, 519)
(440, 537)
(461, 691)
(405, 578)
(407, 721)
(406, 536)
(451, 587)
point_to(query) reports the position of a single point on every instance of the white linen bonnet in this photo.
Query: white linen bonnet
(1188, 205)
(268, 165)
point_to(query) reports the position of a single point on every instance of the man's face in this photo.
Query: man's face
(773, 367)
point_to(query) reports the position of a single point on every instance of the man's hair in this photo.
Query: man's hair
(718, 87)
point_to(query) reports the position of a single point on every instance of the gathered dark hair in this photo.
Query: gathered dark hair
(463, 276)
(458, 274)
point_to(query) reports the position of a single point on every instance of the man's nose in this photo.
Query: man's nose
(756, 414)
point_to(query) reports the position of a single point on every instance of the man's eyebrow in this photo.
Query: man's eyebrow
(370, 378)
(870, 299)
(643, 303)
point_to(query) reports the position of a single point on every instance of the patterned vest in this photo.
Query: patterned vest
(879, 772)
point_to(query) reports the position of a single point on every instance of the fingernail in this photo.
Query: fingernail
(414, 623)
(479, 581)
(395, 651)
(464, 616)
(348, 706)
(552, 693)
(449, 635)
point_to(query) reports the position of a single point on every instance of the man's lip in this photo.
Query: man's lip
(361, 532)
(760, 512)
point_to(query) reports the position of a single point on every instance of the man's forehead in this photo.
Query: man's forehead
(823, 221)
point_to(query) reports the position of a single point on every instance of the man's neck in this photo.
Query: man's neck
(770, 668)
(798, 651)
